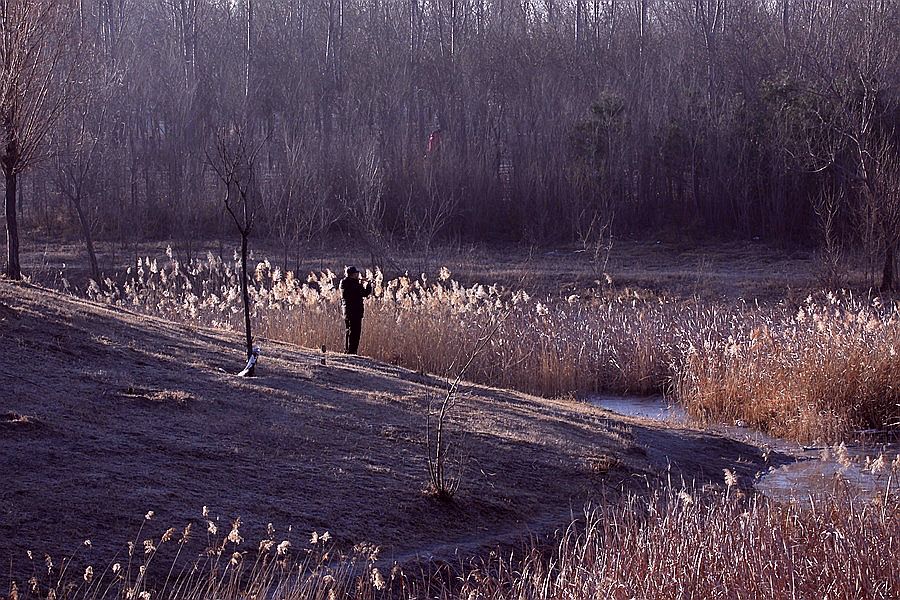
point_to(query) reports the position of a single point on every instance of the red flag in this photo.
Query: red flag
(434, 140)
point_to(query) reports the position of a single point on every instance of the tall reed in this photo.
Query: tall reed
(676, 545)
(817, 372)
(821, 372)
(667, 544)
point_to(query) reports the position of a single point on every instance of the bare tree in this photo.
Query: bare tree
(439, 449)
(33, 81)
(428, 211)
(735, 115)
(76, 162)
(828, 209)
(880, 193)
(234, 162)
(854, 121)
(364, 203)
(302, 207)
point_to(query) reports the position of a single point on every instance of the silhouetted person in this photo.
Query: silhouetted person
(352, 293)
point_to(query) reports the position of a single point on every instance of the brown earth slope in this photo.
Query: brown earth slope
(105, 415)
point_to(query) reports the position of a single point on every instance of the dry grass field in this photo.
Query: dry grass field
(108, 414)
(813, 369)
(115, 408)
(725, 270)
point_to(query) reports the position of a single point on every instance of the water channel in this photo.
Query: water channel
(862, 468)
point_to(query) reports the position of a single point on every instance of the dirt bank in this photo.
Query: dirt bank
(105, 415)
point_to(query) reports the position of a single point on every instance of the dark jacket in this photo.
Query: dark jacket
(352, 294)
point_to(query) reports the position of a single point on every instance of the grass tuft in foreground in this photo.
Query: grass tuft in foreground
(678, 545)
(666, 545)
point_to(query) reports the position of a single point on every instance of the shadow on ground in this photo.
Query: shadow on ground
(107, 415)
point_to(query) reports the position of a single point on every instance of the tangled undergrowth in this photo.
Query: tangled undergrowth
(815, 372)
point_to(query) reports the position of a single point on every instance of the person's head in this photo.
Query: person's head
(351, 272)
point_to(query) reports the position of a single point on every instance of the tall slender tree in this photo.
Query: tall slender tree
(235, 163)
(35, 50)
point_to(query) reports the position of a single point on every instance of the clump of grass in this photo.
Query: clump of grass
(180, 564)
(822, 372)
(671, 543)
(817, 373)
(676, 544)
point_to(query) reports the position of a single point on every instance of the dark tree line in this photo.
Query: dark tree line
(420, 120)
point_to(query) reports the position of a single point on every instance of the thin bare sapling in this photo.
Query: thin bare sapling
(444, 481)
(234, 162)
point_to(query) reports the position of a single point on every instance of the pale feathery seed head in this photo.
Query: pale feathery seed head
(377, 579)
(731, 479)
(186, 533)
(234, 535)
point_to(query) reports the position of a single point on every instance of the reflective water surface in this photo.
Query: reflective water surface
(654, 408)
(862, 468)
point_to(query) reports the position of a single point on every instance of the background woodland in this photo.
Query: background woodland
(457, 120)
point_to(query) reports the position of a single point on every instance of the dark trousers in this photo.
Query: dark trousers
(351, 339)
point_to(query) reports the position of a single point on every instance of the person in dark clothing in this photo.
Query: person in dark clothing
(352, 293)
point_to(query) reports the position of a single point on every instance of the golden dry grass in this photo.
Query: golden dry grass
(817, 372)
(678, 545)
(821, 372)
(670, 544)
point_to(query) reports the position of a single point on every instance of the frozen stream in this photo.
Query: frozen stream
(862, 467)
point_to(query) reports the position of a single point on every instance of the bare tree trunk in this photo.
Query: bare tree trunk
(887, 274)
(13, 269)
(245, 294)
(785, 23)
(88, 238)
(579, 9)
(249, 54)
(642, 8)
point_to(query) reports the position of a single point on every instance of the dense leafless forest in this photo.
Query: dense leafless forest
(426, 120)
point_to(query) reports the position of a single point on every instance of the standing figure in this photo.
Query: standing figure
(352, 293)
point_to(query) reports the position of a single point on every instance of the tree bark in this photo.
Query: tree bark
(88, 238)
(13, 269)
(246, 297)
(887, 274)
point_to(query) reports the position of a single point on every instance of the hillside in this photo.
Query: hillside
(105, 415)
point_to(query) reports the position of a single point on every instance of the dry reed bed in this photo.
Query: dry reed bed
(675, 545)
(817, 372)
(665, 545)
(177, 563)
